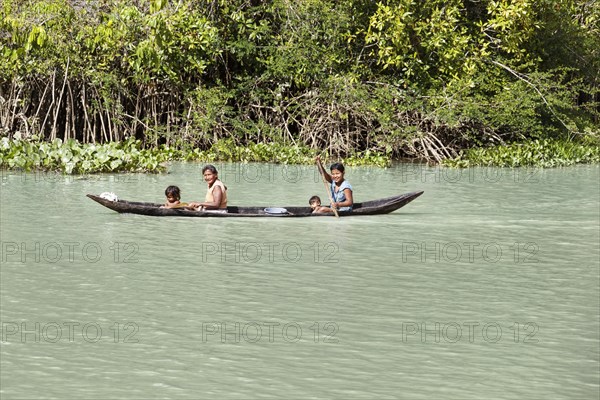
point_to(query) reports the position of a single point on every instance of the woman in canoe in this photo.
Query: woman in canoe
(216, 194)
(341, 190)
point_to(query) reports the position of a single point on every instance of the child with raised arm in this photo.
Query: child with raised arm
(341, 190)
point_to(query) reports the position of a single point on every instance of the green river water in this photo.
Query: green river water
(486, 286)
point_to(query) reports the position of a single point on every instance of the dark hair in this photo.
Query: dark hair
(314, 198)
(173, 191)
(338, 166)
(210, 168)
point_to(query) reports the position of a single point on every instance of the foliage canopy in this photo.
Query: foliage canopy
(416, 78)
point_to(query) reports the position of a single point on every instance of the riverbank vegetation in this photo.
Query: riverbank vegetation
(73, 157)
(280, 80)
(536, 153)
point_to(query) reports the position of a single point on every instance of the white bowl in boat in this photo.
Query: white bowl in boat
(276, 210)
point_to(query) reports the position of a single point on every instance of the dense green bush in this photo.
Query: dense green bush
(537, 153)
(72, 157)
(398, 78)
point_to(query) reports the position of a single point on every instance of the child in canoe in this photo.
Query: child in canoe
(341, 190)
(315, 204)
(173, 196)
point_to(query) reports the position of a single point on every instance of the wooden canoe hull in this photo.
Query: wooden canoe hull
(372, 207)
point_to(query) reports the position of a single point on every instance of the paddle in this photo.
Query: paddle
(322, 172)
(180, 205)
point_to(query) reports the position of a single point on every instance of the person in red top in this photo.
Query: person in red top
(216, 194)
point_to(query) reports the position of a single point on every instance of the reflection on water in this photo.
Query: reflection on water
(487, 285)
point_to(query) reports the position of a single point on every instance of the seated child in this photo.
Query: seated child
(315, 204)
(173, 195)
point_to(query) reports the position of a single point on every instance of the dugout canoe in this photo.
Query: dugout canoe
(372, 207)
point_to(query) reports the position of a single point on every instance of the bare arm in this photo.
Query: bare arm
(217, 196)
(349, 200)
